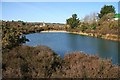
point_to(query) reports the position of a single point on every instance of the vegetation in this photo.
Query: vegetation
(80, 65)
(13, 32)
(29, 62)
(107, 25)
(105, 10)
(73, 22)
(41, 62)
(100, 25)
(12, 37)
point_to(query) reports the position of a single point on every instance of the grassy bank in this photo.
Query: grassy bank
(111, 37)
(42, 62)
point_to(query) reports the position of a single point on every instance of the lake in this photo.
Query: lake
(63, 43)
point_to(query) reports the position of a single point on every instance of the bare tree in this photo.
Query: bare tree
(91, 18)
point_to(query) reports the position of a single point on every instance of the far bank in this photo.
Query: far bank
(112, 37)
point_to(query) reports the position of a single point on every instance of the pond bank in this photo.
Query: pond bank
(111, 37)
(42, 62)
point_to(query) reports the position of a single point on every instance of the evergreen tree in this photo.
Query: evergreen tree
(73, 21)
(105, 10)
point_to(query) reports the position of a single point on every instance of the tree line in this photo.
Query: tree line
(102, 22)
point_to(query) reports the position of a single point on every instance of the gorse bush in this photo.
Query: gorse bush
(11, 37)
(42, 62)
(35, 62)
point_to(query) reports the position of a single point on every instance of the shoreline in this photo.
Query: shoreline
(106, 37)
(55, 31)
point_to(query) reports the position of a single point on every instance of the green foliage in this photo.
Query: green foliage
(117, 16)
(83, 28)
(73, 21)
(105, 10)
(11, 37)
(93, 26)
(23, 39)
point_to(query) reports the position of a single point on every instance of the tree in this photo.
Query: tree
(106, 18)
(73, 21)
(105, 10)
(91, 18)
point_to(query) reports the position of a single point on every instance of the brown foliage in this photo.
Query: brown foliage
(31, 62)
(80, 65)
(41, 62)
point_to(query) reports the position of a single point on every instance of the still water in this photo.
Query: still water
(63, 43)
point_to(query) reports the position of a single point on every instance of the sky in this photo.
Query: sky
(51, 12)
(60, 0)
